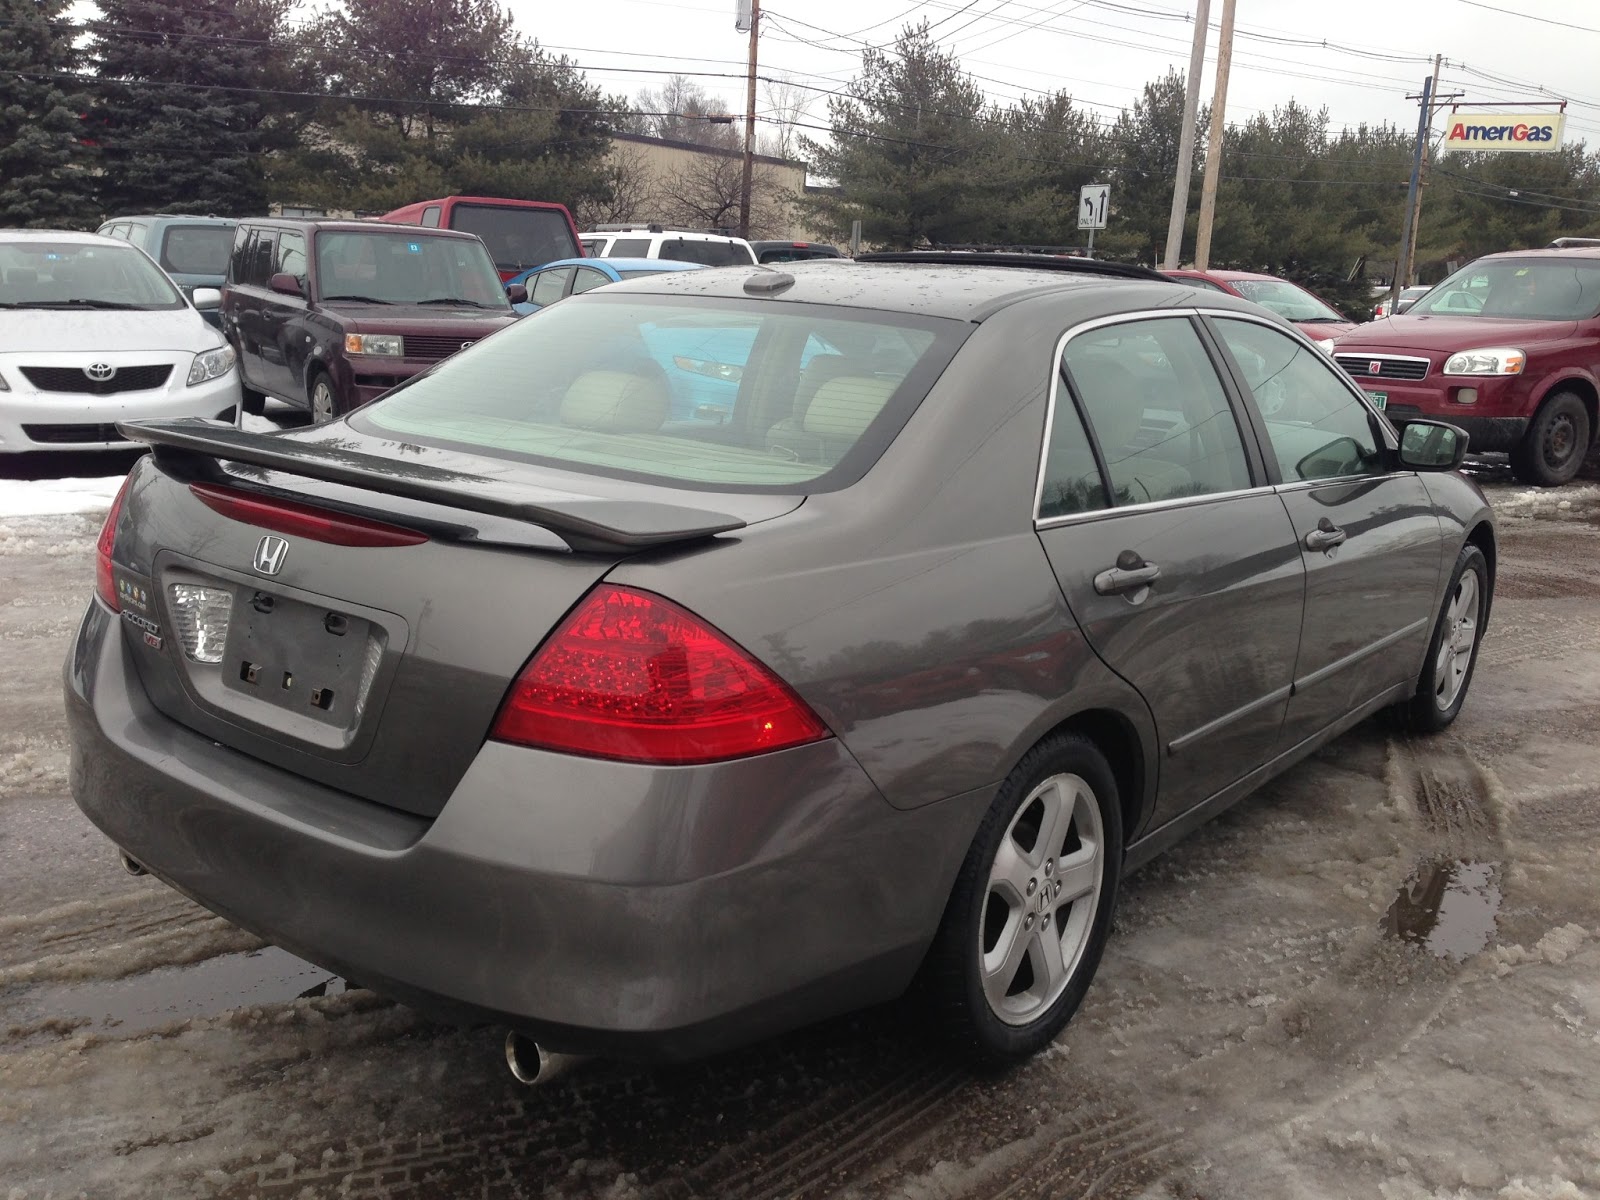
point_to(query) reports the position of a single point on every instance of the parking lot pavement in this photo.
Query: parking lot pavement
(1379, 977)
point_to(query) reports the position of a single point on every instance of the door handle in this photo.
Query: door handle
(1130, 573)
(1325, 536)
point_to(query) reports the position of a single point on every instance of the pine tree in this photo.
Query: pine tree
(43, 177)
(185, 105)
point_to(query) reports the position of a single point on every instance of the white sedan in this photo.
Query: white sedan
(92, 332)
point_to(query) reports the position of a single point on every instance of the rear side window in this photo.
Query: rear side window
(715, 394)
(252, 257)
(549, 286)
(196, 249)
(1157, 410)
(628, 248)
(710, 254)
(430, 216)
(1072, 481)
(291, 258)
(586, 279)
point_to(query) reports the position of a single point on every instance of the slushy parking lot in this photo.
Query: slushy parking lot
(1378, 977)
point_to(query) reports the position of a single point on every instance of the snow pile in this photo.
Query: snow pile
(51, 497)
(1554, 947)
(1548, 502)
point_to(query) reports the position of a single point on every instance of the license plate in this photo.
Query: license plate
(1380, 400)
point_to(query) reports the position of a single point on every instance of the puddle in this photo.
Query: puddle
(168, 994)
(1448, 907)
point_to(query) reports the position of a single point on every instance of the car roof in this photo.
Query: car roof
(186, 218)
(317, 225)
(1554, 253)
(59, 235)
(673, 234)
(936, 289)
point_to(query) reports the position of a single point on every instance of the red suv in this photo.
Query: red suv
(1508, 348)
(327, 315)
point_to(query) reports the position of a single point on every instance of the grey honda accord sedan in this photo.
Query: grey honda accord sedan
(719, 651)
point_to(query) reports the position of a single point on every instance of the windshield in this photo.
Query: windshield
(1526, 289)
(406, 268)
(40, 274)
(1290, 302)
(723, 395)
(518, 238)
(197, 249)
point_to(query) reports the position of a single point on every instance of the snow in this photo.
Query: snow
(1572, 500)
(54, 497)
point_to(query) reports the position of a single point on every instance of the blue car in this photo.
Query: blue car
(569, 276)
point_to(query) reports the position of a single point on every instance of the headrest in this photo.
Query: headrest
(845, 406)
(616, 402)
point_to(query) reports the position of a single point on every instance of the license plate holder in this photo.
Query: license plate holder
(306, 658)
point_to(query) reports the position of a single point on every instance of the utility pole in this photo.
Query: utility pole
(1191, 114)
(1408, 255)
(1219, 116)
(749, 124)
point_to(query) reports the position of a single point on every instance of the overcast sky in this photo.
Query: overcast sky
(1102, 51)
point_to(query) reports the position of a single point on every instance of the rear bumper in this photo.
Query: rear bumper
(600, 907)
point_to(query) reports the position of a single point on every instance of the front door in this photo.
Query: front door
(1367, 532)
(1173, 552)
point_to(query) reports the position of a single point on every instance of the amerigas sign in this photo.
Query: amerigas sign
(1500, 132)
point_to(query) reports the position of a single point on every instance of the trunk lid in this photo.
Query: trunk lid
(373, 668)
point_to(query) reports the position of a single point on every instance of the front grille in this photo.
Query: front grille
(1360, 365)
(432, 348)
(72, 435)
(73, 379)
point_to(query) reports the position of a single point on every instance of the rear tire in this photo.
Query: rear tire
(1453, 649)
(1555, 444)
(1031, 909)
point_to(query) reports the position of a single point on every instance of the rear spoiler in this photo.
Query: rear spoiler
(583, 522)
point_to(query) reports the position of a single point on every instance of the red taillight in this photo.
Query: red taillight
(104, 584)
(630, 675)
(303, 520)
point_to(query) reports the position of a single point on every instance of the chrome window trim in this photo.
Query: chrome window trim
(1306, 485)
(1142, 314)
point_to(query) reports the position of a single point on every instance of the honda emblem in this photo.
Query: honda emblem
(270, 553)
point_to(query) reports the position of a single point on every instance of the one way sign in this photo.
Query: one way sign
(1092, 204)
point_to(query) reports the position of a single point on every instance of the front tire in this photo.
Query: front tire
(324, 404)
(1555, 444)
(1031, 909)
(1453, 649)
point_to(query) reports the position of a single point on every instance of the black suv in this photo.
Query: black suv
(327, 315)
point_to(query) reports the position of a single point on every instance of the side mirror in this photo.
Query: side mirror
(207, 299)
(285, 284)
(516, 293)
(1432, 446)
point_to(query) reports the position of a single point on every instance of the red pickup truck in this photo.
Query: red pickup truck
(1507, 348)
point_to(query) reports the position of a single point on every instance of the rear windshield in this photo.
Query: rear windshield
(1532, 290)
(406, 268)
(713, 394)
(518, 238)
(38, 274)
(197, 249)
(1284, 298)
(710, 254)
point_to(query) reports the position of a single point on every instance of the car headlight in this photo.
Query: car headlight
(213, 364)
(1325, 345)
(1494, 360)
(374, 343)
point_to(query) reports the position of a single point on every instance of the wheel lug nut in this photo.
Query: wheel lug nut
(1027, 921)
(1032, 885)
(1049, 866)
(1044, 921)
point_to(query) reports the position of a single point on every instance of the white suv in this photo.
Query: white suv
(654, 241)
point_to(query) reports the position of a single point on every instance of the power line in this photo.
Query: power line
(1511, 12)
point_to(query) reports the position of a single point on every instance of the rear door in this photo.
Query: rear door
(1367, 533)
(283, 341)
(1174, 553)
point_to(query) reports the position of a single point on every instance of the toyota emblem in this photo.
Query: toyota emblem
(100, 372)
(270, 553)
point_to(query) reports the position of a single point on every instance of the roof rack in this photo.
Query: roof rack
(1039, 262)
(1572, 243)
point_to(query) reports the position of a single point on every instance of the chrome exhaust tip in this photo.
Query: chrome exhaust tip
(532, 1064)
(129, 865)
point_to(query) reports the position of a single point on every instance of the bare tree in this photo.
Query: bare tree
(785, 104)
(630, 191)
(680, 110)
(704, 193)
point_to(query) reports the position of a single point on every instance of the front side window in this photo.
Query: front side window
(196, 249)
(1157, 410)
(406, 268)
(728, 395)
(1318, 427)
(68, 275)
(549, 286)
(263, 253)
(1530, 289)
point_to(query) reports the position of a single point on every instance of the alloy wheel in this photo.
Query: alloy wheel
(1044, 889)
(322, 401)
(1457, 642)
